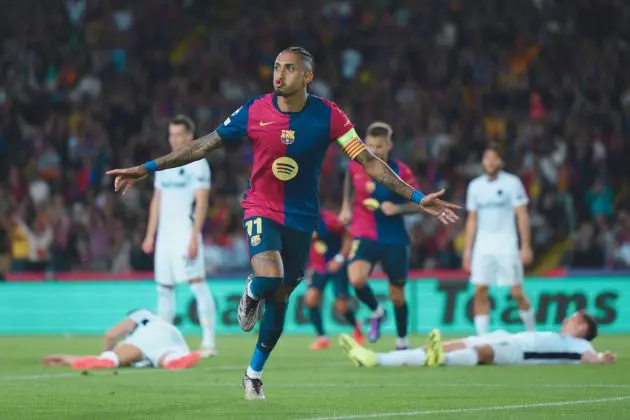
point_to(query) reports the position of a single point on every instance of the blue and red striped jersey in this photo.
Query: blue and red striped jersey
(289, 148)
(368, 221)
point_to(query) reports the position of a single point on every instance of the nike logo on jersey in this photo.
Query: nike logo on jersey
(262, 124)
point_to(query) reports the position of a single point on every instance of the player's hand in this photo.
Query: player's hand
(466, 260)
(527, 256)
(193, 249)
(608, 357)
(345, 215)
(436, 207)
(148, 245)
(334, 266)
(126, 178)
(390, 209)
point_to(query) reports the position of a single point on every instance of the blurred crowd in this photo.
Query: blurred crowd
(91, 84)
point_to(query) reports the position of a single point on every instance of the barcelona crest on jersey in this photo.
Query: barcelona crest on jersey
(287, 136)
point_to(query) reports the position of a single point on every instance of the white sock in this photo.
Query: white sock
(378, 312)
(481, 324)
(528, 319)
(166, 303)
(413, 357)
(206, 311)
(465, 357)
(402, 342)
(251, 373)
(110, 355)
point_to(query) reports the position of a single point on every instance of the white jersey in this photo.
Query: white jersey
(551, 347)
(495, 201)
(536, 347)
(177, 199)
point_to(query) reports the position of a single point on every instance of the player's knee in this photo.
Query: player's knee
(397, 295)
(518, 294)
(481, 293)
(312, 298)
(341, 305)
(485, 354)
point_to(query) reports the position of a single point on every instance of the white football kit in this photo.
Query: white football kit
(155, 338)
(495, 255)
(535, 347)
(175, 223)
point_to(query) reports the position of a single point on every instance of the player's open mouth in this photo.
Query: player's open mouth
(278, 83)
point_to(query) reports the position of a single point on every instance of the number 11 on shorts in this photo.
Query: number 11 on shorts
(254, 223)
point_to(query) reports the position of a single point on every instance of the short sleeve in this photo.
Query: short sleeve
(519, 196)
(141, 315)
(201, 176)
(408, 176)
(342, 131)
(235, 126)
(471, 200)
(581, 346)
(340, 123)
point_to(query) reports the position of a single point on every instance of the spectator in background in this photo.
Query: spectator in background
(5, 245)
(39, 240)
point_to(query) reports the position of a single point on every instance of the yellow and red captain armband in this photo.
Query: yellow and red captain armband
(351, 144)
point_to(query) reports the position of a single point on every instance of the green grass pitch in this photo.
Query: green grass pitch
(302, 384)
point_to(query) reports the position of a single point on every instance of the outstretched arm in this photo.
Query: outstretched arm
(382, 173)
(198, 149)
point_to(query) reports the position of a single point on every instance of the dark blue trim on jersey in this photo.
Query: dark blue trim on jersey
(551, 355)
(274, 100)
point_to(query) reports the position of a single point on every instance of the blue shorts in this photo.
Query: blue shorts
(293, 245)
(393, 258)
(339, 279)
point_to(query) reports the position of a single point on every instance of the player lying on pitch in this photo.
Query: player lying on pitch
(142, 339)
(571, 345)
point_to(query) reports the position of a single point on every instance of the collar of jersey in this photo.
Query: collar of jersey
(274, 99)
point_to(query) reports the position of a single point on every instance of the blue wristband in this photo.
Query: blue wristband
(151, 167)
(416, 197)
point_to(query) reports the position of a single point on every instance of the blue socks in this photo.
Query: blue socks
(402, 315)
(271, 328)
(316, 319)
(263, 287)
(366, 295)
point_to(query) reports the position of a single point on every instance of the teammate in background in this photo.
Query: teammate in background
(379, 232)
(290, 131)
(491, 252)
(142, 339)
(571, 345)
(178, 211)
(329, 252)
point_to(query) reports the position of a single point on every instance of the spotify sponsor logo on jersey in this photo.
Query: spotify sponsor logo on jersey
(284, 168)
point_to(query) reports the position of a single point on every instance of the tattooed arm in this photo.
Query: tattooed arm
(198, 149)
(382, 173)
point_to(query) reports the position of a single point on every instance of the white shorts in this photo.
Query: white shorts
(488, 269)
(507, 351)
(157, 339)
(172, 265)
(493, 337)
